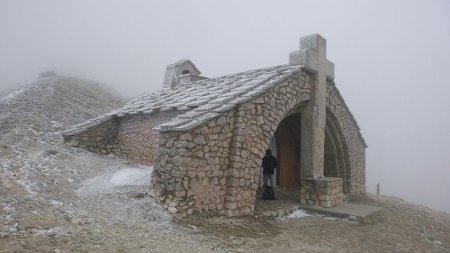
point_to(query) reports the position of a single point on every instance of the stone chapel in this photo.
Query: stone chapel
(205, 137)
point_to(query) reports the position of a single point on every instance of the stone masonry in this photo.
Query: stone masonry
(205, 138)
(218, 168)
(131, 137)
(101, 138)
(324, 192)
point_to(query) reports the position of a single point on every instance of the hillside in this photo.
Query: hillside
(53, 103)
(55, 198)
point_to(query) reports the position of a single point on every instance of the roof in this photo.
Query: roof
(201, 100)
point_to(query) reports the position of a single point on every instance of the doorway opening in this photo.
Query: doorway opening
(285, 146)
(287, 139)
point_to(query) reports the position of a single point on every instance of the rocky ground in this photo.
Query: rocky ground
(55, 198)
(399, 227)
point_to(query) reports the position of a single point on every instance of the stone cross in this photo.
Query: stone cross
(312, 56)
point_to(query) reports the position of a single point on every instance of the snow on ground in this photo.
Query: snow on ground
(13, 94)
(298, 214)
(132, 176)
(116, 180)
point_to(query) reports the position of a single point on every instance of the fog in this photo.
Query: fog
(392, 63)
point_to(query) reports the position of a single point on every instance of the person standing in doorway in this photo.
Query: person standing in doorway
(269, 164)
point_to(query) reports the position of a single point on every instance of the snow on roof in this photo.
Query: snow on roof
(202, 100)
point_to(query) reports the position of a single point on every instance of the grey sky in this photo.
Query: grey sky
(392, 62)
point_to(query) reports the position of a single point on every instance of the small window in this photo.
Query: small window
(185, 72)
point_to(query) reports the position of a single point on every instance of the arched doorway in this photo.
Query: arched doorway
(286, 146)
(288, 139)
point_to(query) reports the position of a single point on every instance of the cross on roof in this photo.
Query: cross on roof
(312, 55)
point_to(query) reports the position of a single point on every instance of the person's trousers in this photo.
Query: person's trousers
(269, 177)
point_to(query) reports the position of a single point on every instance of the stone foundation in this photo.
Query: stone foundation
(323, 192)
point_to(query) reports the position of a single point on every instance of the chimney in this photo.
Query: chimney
(181, 73)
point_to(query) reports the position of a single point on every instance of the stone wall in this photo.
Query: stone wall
(355, 145)
(216, 166)
(131, 137)
(137, 141)
(100, 139)
(189, 170)
(324, 192)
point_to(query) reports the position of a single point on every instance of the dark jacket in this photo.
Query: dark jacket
(269, 163)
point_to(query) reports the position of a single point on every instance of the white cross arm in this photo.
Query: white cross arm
(312, 55)
(310, 61)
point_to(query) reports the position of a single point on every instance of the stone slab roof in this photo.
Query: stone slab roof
(202, 100)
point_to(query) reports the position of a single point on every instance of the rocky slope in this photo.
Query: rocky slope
(49, 104)
(55, 198)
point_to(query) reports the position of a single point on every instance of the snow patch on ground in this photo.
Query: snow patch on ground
(132, 176)
(123, 180)
(298, 214)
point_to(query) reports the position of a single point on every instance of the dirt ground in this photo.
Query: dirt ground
(44, 209)
(55, 198)
(399, 227)
(52, 200)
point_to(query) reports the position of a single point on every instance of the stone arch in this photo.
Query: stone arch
(336, 159)
(354, 143)
(256, 122)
